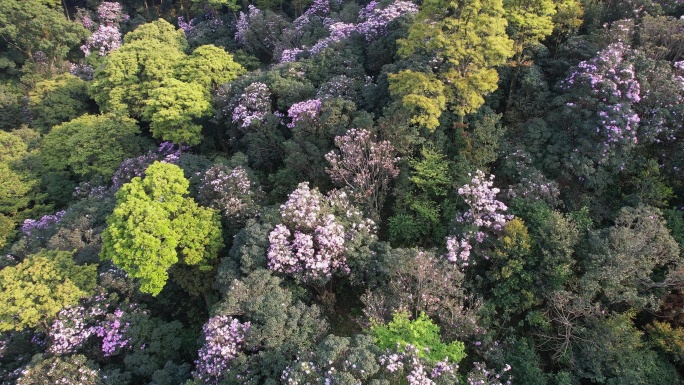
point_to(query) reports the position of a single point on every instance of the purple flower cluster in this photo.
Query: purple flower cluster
(458, 251)
(320, 8)
(135, 167)
(112, 331)
(224, 336)
(186, 27)
(480, 375)
(84, 71)
(417, 372)
(73, 326)
(111, 13)
(43, 223)
(364, 166)
(375, 20)
(311, 243)
(253, 106)
(69, 330)
(611, 80)
(243, 23)
(229, 191)
(106, 39)
(373, 25)
(306, 109)
(338, 32)
(290, 55)
(485, 210)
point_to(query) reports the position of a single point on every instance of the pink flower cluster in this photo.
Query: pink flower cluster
(364, 166)
(111, 13)
(417, 373)
(227, 190)
(375, 20)
(320, 8)
(485, 210)
(480, 375)
(311, 242)
(290, 55)
(135, 167)
(306, 109)
(224, 336)
(611, 79)
(338, 32)
(253, 106)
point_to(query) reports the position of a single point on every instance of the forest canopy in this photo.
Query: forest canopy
(342, 192)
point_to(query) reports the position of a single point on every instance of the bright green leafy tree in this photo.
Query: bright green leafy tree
(154, 225)
(464, 41)
(33, 291)
(91, 144)
(209, 66)
(171, 109)
(422, 94)
(422, 333)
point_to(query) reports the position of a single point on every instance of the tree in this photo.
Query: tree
(422, 94)
(154, 225)
(148, 56)
(33, 291)
(91, 145)
(364, 167)
(209, 66)
(56, 100)
(421, 333)
(39, 30)
(171, 108)
(464, 41)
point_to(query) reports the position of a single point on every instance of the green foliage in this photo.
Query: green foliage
(159, 31)
(281, 327)
(483, 138)
(218, 4)
(91, 145)
(512, 270)
(422, 333)
(40, 286)
(529, 21)
(421, 208)
(467, 38)
(171, 108)
(209, 66)
(154, 224)
(57, 100)
(668, 339)
(649, 187)
(420, 93)
(29, 26)
(613, 353)
(76, 369)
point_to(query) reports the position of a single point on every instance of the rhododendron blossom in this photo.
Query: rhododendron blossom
(311, 243)
(223, 339)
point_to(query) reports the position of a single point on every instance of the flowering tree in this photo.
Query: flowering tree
(224, 336)
(312, 242)
(253, 106)
(307, 109)
(230, 191)
(364, 166)
(485, 215)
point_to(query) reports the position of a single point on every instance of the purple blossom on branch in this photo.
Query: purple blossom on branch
(43, 223)
(253, 106)
(224, 336)
(311, 243)
(364, 167)
(306, 109)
